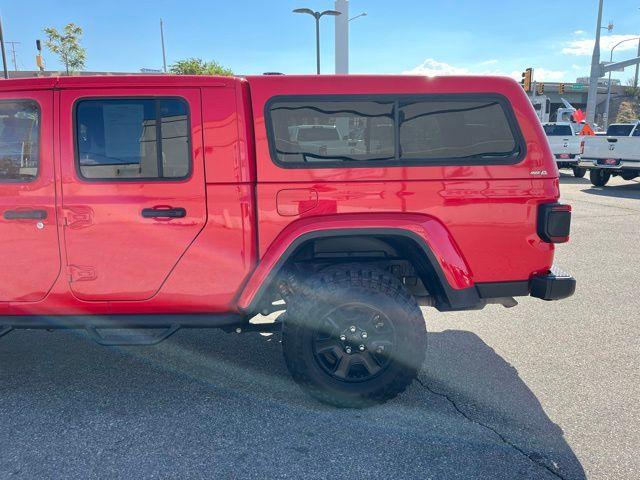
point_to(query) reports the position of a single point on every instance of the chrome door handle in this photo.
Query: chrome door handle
(25, 214)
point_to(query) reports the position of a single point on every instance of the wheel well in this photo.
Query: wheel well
(400, 255)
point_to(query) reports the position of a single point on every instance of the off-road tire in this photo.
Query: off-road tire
(579, 172)
(346, 286)
(599, 177)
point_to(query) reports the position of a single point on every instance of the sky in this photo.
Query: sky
(397, 36)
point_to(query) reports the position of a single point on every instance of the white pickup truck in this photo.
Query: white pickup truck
(566, 145)
(617, 153)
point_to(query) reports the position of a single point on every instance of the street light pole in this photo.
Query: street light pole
(635, 78)
(606, 108)
(317, 16)
(4, 54)
(595, 71)
(342, 37)
(317, 44)
(164, 56)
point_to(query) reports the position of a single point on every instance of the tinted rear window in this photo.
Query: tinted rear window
(19, 140)
(558, 130)
(347, 130)
(126, 138)
(619, 130)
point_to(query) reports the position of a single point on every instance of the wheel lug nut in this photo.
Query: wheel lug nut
(343, 337)
(365, 334)
(352, 328)
(361, 348)
(348, 349)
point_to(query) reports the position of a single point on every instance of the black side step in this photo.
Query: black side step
(128, 321)
(5, 330)
(133, 340)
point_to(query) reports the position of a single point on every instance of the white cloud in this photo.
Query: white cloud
(432, 67)
(544, 75)
(579, 32)
(584, 47)
(488, 62)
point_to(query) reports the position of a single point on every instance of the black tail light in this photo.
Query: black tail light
(554, 222)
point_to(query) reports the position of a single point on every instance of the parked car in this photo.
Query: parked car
(316, 141)
(615, 154)
(191, 202)
(566, 145)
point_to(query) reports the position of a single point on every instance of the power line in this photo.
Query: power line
(13, 54)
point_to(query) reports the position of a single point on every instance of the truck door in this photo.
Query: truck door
(29, 250)
(133, 187)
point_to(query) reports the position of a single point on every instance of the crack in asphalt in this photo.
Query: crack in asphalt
(490, 428)
(616, 207)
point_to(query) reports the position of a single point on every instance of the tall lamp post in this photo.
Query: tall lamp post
(4, 55)
(606, 105)
(595, 69)
(317, 16)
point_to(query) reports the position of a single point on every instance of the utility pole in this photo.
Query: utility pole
(342, 37)
(13, 54)
(596, 71)
(4, 55)
(164, 56)
(635, 79)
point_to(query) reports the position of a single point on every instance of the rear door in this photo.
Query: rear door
(133, 188)
(29, 250)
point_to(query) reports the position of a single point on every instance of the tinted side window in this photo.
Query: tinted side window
(346, 131)
(432, 130)
(133, 138)
(19, 140)
(316, 132)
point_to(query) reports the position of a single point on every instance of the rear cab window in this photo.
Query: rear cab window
(19, 140)
(619, 130)
(133, 138)
(558, 130)
(351, 130)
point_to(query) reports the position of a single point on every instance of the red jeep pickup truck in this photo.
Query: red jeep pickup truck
(344, 202)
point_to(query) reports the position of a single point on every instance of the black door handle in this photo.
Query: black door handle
(25, 214)
(164, 213)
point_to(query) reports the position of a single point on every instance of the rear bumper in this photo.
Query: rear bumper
(555, 285)
(591, 163)
(569, 160)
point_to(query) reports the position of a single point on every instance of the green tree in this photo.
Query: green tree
(627, 113)
(632, 91)
(197, 66)
(67, 46)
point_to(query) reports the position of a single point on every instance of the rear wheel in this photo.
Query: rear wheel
(629, 175)
(353, 336)
(599, 177)
(579, 172)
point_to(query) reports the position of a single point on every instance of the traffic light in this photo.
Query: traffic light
(540, 89)
(561, 89)
(527, 78)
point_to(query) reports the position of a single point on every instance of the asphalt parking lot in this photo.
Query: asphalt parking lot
(544, 390)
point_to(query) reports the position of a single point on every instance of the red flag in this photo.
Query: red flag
(579, 116)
